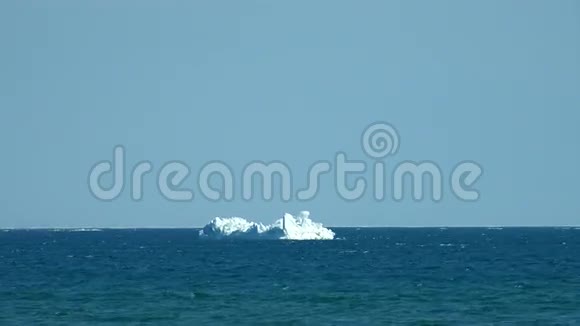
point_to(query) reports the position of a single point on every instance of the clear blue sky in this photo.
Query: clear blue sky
(497, 82)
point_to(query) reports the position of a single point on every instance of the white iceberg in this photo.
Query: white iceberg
(288, 227)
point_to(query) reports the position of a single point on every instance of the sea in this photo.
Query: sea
(367, 276)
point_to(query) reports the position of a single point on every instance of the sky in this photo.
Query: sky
(495, 82)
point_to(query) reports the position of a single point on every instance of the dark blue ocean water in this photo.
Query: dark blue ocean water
(456, 276)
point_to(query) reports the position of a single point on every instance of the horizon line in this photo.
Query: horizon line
(94, 228)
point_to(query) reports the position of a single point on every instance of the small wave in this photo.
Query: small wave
(76, 230)
(184, 295)
(86, 230)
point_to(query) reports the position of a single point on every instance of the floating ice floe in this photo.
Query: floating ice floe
(288, 227)
(75, 230)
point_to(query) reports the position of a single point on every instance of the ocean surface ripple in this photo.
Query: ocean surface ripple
(463, 276)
